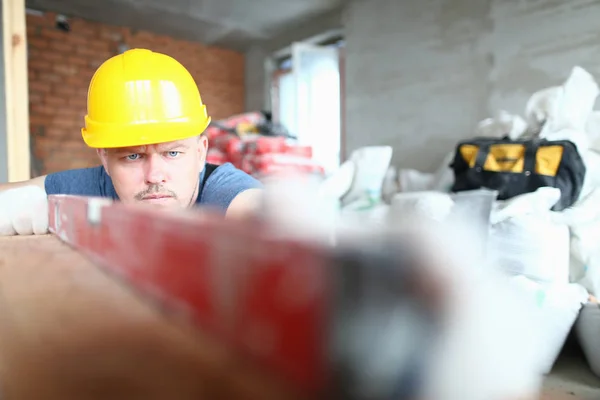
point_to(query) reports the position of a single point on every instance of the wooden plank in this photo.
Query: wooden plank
(14, 34)
(68, 331)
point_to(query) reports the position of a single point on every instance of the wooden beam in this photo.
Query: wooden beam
(14, 35)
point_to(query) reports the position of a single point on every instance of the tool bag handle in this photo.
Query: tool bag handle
(531, 148)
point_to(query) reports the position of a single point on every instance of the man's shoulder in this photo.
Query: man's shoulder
(224, 184)
(92, 181)
(228, 172)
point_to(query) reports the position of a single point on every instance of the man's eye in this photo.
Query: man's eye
(173, 153)
(133, 157)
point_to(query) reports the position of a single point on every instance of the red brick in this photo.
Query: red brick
(60, 46)
(77, 40)
(80, 102)
(98, 46)
(77, 61)
(39, 64)
(112, 35)
(85, 50)
(50, 55)
(48, 20)
(35, 97)
(53, 33)
(35, 41)
(60, 132)
(49, 77)
(39, 86)
(65, 69)
(41, 109)
(36, 119)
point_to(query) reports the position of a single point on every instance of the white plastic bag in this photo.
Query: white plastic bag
(408, 207)
(411, 180)
(592, 128)
(493, 345)
(591, 275)
(540, 201)
(532, 246)
(364, 216)
(539, 107)
(583, 218)
(390, 185)
(339, 182)
(371, 165)
(571, 110)
(591, 180)
(556, 310)
(503, 124)
(475, 208)
(575, 102)
(525, 240)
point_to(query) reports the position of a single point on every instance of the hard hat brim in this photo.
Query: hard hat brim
(141, 134)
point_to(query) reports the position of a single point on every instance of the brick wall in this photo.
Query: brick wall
(61, 65)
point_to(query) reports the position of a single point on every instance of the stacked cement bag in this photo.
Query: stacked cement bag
(553, 257)
(527, 244)
(568, 115)
(584, 221)
(520, 238)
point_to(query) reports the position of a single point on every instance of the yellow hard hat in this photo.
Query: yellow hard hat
(141, 97)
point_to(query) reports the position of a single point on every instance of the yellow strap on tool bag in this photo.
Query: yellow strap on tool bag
(510, 157)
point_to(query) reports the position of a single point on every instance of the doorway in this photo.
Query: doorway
(307, 98)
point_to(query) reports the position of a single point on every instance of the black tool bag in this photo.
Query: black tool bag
(514, 167)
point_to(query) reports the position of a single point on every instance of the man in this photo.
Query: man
(145, 119)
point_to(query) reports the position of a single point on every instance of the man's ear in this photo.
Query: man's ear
(203, 146)
(103, 158)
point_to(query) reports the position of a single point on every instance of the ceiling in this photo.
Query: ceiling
(233, 24)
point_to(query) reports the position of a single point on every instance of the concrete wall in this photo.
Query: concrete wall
(61, 65)
(256, 96)
(420, 75)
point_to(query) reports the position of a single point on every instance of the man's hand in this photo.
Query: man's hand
(23, 211)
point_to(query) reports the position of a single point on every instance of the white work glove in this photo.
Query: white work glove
(23, 211)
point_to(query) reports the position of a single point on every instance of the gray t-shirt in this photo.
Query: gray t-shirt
(223, 184)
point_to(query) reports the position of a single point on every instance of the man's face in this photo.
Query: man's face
(165, 174)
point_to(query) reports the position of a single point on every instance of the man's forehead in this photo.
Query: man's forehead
(151, 147)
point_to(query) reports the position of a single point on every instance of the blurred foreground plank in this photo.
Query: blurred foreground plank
(68, 331)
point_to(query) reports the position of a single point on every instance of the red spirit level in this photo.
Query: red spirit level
(319, 317)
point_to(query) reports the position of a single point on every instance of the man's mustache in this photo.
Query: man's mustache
(154, 190)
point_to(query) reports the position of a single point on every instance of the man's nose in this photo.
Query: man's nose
(155, 169)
